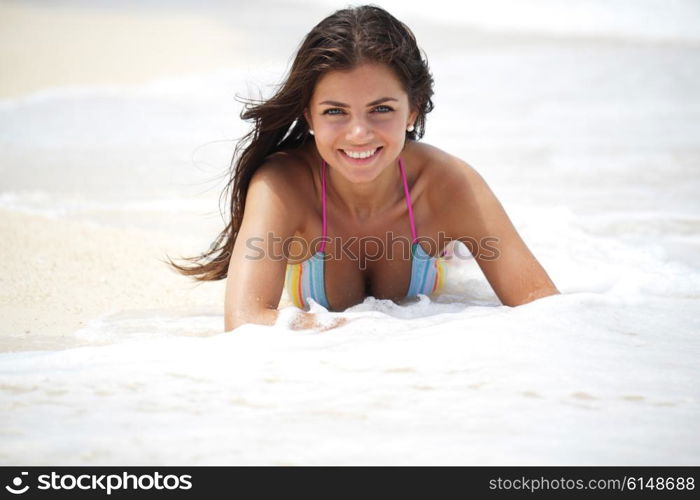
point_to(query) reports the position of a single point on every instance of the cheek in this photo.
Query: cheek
(329, 132)
(394, 127)
(391, 121)
(331, 126)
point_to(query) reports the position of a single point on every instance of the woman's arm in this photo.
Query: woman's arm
(478, 219)
(257, 267)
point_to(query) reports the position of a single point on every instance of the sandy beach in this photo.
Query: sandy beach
(47, 46)
(60, 274)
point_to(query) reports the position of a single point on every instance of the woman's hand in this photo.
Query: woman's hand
(300, 320)
(334, 323)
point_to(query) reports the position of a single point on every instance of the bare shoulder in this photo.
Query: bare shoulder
(280, 196)
(283, 183)
(446, 177)
(285, 174)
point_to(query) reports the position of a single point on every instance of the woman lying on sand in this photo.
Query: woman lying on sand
(333, 197)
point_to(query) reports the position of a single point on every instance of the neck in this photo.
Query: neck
(363, 201)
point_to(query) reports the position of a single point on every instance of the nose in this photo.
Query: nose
(359, 130)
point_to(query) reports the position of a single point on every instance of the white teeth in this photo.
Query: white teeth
(360, 154)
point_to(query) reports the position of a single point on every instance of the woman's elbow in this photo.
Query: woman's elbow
(533, 295)
(544, 292)
(231, 324)
(234, 319)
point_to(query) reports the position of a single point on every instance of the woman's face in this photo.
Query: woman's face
(359, 118)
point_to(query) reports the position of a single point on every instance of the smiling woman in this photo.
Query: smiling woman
(334, 198)
(357, 136)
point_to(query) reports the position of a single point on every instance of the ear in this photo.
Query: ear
(412, 118)
(307, 117)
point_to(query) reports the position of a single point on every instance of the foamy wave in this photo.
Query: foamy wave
(56, 205)
(270, 395)
(216, 83)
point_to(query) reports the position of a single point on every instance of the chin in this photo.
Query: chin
(361, 175)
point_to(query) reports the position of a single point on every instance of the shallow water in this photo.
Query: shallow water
(579, 379)
(591, 144)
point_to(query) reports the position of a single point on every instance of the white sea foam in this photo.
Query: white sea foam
(56, 205)
(575, 379)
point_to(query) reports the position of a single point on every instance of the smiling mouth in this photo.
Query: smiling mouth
(361, 155)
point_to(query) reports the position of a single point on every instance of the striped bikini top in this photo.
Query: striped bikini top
(305, 280)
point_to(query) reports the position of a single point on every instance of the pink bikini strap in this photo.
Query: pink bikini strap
(408, 201)
(323, 205)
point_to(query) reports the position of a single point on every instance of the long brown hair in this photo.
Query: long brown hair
(341, 41)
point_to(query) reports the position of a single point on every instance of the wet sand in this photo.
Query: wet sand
(60, 274)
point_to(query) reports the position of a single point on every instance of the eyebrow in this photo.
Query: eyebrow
(373, 103)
